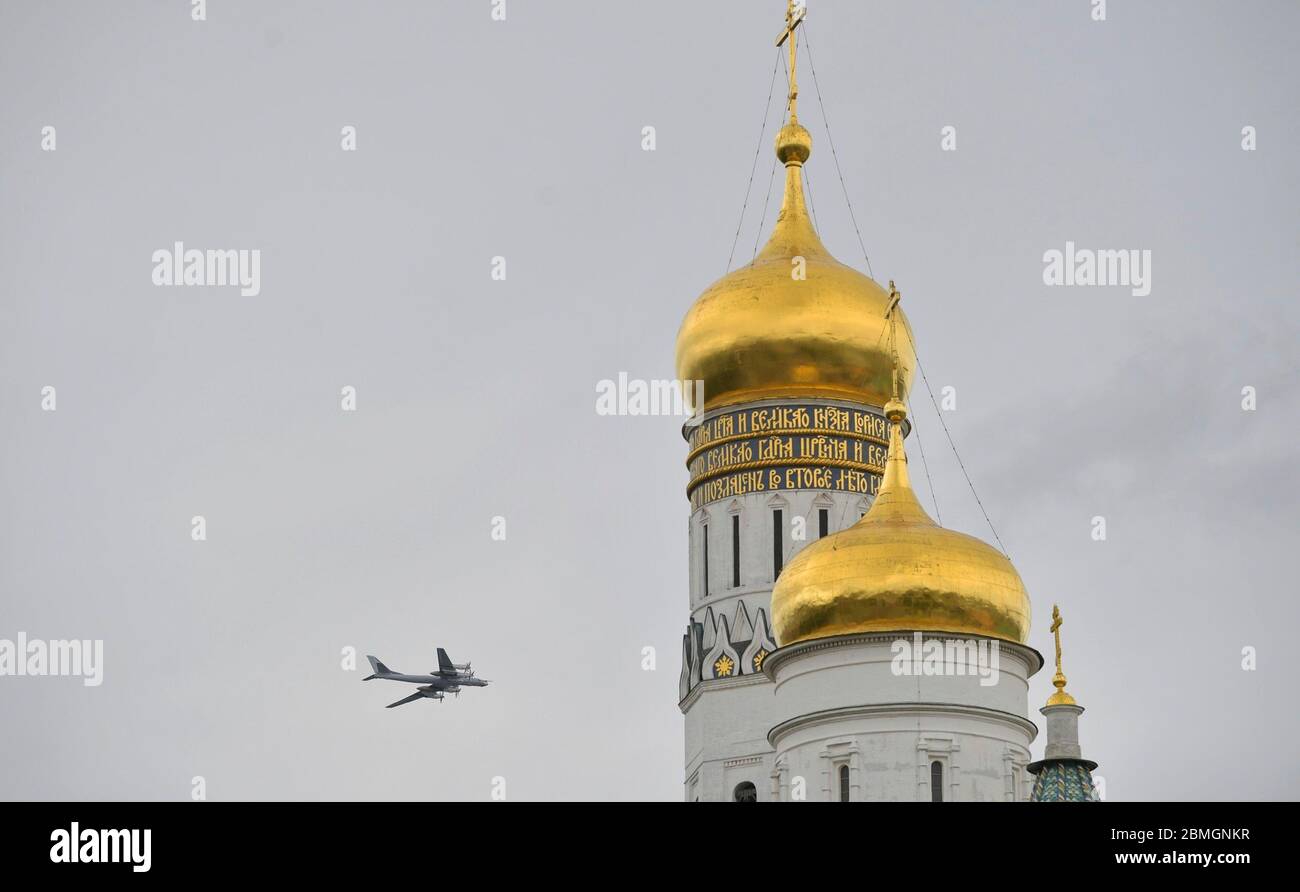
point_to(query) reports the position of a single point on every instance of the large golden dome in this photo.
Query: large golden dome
(897, 570)
(761, 332)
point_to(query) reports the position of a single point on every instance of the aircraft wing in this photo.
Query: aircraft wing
(444, 663)
(416, 696)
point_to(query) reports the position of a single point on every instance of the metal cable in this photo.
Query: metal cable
(853, 217)
(812, 205)
(761, 220)
(861, 244)
(767, 109)
(771, 177)
(960, 463)
(834, 155)
(916, 432)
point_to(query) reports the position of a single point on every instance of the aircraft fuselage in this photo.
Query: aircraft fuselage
(439, 681)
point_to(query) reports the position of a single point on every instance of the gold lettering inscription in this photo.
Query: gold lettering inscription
(794, 419)
(775, 447)
(776, 418)
(808, 478)
(824, 447)
(832, 418)
(848, 480)
(784, 447)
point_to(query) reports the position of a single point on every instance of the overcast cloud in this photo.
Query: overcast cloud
(475, 398)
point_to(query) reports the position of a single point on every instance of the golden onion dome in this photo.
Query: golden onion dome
(778, 328)
(897, 570)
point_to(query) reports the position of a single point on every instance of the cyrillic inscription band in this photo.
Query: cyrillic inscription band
(786, 447)
(788, 419)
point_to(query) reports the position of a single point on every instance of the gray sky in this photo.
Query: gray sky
(476, 397)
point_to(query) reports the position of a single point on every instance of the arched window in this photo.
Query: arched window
(936, 781)
(844, 783)
(706, 560)
(776, 544)
(735, 551)
(745, 792)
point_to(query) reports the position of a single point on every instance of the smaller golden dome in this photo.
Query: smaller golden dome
(897, 570)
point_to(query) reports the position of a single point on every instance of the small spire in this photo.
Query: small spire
(1061, 697)
(895, 500)
(1063, 774)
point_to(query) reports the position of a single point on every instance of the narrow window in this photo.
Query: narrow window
(936, 781)
(776, 543)
(735, 551)
(706, 560)
(823, 522)
(844, 783)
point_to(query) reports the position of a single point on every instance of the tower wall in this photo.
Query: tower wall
(799, 457)
(853, 702)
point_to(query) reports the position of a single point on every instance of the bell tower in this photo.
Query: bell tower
(789, 448)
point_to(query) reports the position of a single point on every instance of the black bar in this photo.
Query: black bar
(332, 840)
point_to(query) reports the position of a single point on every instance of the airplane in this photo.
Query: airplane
(449, 677)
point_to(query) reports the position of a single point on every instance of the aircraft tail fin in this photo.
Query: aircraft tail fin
(378, 667)
(445, 665)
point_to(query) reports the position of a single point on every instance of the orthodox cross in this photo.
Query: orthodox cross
(1058, 680)
(795, 12)
(1056, 632)
(894, 298)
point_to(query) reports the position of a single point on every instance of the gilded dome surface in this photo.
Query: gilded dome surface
(782, 327)
(897, 570)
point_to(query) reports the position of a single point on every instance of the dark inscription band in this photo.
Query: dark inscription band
(786, 447)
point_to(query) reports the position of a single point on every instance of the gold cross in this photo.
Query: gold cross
(1058, 680)
(894, 298)
(1056, 632)
(795, 12)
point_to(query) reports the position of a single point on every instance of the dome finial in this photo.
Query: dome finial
(1061, 697)
(793, 141)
